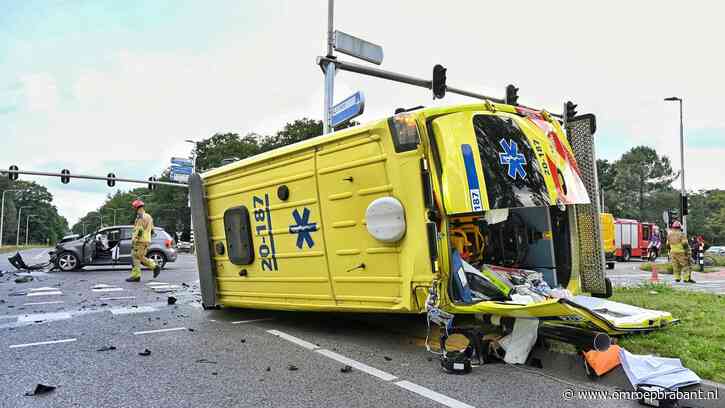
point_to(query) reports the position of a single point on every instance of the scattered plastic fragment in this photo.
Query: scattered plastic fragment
(40, 389)
(107, 348)
(387, 358)
(24, 279)
(190, 329)
(292, 367)
(205, 361)
(171, 300)
(146, 352)
(214, 373)
(346, 369)
(268, 369)
(243, 340)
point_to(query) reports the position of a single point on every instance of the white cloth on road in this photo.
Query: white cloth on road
(660, 371)
(518, 344)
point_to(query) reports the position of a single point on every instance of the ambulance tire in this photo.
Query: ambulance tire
(608, 291)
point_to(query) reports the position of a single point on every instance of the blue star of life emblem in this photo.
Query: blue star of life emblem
(303, 228)
(512, 158)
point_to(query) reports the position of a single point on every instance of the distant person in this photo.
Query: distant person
(679, 247)
(140, 241)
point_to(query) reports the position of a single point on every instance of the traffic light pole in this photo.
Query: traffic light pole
(329, 69)
(88, 177)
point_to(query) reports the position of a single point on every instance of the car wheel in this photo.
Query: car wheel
(158, 258)
(67, 261)
(627, 255)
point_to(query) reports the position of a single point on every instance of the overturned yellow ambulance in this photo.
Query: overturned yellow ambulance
(470, 203)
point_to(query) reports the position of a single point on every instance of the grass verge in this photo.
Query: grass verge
(667, 268)
(698, 339)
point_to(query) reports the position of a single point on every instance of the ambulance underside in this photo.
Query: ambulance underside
(287, 229)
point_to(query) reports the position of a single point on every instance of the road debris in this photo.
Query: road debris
(387, 358)
(190, 329)
(146, 352)
(243, 341)
(205, 361)
(107, 348)
(40, 389)
(24, 279)
(346, 369)
(268, 369)
(292, 367)
(171, 300)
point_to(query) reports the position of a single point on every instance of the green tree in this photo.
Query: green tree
(212, 151)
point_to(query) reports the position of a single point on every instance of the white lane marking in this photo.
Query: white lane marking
(430, 394)
(159, 331)
(252, 321)
(358, 365)
(43, 289)
(118, 298)
(55, 302)
(293, 339)
(45, 293)
(156, 284)
(40, 343)
(107, 290)
(133, 310)
(45, 317)
(102, 285)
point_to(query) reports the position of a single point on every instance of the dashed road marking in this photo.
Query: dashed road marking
(117, 298)
(44, 317)
(432, 395)
(407, 385)
(293, 339)
(156, 284)
(41, 343)
(133, 310)
(45, 293)
(55, 302)
(252, 321)
(159, 331)
(47, 288)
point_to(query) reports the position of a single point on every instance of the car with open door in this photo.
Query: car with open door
(111, 246)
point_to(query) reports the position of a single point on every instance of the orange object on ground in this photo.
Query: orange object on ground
(603, 362)
(654, 278)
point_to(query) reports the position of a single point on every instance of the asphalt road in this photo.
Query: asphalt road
(51, 331)
(628, 273)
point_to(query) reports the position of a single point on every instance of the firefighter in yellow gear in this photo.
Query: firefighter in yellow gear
(679, 253)
(140, 241)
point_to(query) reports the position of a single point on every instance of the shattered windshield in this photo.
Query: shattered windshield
(512, 172)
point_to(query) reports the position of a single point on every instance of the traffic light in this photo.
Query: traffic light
(65, 178)
(13, 176)
(152, 186)
(512, 95)
(569, 111)
(684, 204)
(439, 81)
(111, 179)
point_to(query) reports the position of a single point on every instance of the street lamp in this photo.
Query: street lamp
(27, 225)
(682, 166)
(2, 214)
(84, 228)
(193, 161)
(17, 232)
(114, 213)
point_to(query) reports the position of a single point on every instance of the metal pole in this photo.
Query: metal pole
(17, 232)
(329, 71)
(682, 173)
(27, 225)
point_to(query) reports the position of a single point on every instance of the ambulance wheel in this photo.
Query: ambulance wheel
(627, 255)
(607, 290)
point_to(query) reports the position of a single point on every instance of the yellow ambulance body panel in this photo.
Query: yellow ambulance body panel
(288, 230)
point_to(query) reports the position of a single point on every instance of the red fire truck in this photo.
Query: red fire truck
(632, 238)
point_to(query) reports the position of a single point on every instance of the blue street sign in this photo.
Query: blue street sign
(350, 108)
(181, 169)
(181, 161)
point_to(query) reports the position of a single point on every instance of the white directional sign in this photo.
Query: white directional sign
(357, 47)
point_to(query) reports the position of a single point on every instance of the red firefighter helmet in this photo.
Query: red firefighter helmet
(137, 204)
(676, 225)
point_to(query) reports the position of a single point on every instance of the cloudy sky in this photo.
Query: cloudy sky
(99, 86)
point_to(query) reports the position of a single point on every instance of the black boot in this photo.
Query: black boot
(157, 270)
(133, 279)
(690, 281)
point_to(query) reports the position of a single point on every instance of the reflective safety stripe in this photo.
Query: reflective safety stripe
(473, 186)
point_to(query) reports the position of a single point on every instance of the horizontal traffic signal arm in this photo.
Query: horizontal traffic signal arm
(13, 173)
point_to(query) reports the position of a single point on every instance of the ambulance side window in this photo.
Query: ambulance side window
(239, 235)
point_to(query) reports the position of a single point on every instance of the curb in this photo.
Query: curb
(571, 366)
